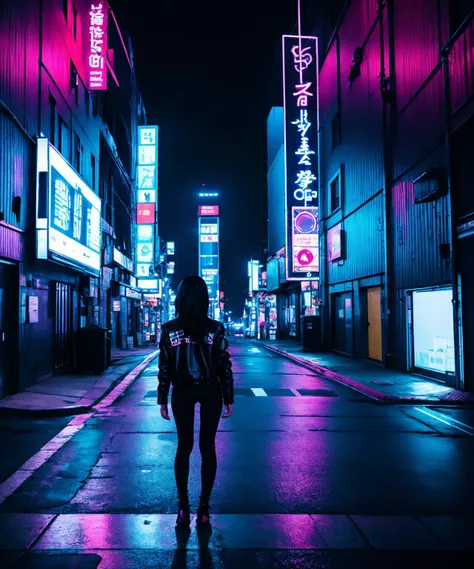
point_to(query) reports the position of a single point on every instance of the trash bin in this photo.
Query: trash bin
(93, 351)
(312, 334)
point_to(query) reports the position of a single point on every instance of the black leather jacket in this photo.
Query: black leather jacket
(182, 361)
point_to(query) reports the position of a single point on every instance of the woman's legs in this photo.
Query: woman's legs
(211, 409)
(182, 404)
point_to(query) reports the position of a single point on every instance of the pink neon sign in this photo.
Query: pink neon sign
(97, 47)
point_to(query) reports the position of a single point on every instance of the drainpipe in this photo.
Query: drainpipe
(452, 217)
(389, 120)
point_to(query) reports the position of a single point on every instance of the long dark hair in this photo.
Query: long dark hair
(192, 306)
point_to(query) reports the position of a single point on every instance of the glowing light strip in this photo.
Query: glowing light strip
(27, 469)
(449, 423)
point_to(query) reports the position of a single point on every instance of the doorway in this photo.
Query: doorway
(343, 333)
(374, 322)
(7, 327)
(63, 327)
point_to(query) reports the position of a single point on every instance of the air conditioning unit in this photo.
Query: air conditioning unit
(431, 185)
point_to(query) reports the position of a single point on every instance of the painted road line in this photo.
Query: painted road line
(70, 430)
(295, 392)
(258, 392)
(446, 420)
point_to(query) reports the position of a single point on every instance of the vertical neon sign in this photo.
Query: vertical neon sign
(301, 118)
(147, 192)
(97, 47)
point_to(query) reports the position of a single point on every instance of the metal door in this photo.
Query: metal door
(374, 317)
(63, 327)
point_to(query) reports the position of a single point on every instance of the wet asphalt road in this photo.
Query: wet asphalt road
(310, 474)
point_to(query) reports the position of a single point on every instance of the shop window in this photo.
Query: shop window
(433, 331)
(52, 119)
(335, 193)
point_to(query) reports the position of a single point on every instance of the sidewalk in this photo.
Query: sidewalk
(64, 395)
(370, 379)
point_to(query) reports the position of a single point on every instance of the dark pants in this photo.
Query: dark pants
(183, 400)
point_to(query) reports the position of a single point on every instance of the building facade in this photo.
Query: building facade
(396, 92)
(50, 289)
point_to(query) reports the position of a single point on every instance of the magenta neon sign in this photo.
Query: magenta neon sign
(97, 47)
(300, 84)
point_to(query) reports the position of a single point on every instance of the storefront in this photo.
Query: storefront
(431, 333)
(150, 321)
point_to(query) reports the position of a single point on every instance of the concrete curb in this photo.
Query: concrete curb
(69, 410)
(361, 387)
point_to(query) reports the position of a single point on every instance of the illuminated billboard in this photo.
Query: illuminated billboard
(208, 210)
(300, 95)
(209, 256)
(146, 199)
(305, 240)
(334, 243)
(145, 213)
(68, 218)
(97, 47)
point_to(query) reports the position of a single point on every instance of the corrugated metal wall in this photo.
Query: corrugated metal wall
(360, 154)
(365, 244)
(419, 144)
(19, 104)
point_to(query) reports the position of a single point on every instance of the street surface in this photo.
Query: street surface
(311, 474)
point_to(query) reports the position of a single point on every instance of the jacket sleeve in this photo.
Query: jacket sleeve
(224, 366)
(164, 367)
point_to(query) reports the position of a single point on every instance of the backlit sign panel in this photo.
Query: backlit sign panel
(97, 46)
(305, 240)
(145, 213)
(300, 85)
(208, 210)
(147, 193)
(68, 214)
(334, 243)
(209, 256)
(170, 248)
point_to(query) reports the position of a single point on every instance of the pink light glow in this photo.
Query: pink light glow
(97, 47)
(208, 210)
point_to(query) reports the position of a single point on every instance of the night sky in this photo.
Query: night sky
(209, 72)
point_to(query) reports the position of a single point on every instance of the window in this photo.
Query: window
(65, 5)
(74, 82)
(459, 10)
(87, 101)
(74, 22)
(77, 156)
(92, 171)
(52, 119)
(63, 138)
(336, 131)
(335, 193)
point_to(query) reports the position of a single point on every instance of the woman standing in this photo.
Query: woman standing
(194, 358)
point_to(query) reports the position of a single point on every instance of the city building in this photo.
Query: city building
(69, 110)
(396, 84)
(208, 246)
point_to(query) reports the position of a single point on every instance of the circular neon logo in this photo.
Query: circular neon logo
(305, 222)
(305, 257)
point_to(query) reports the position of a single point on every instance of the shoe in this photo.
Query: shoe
(184, 514)
(203, 514)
